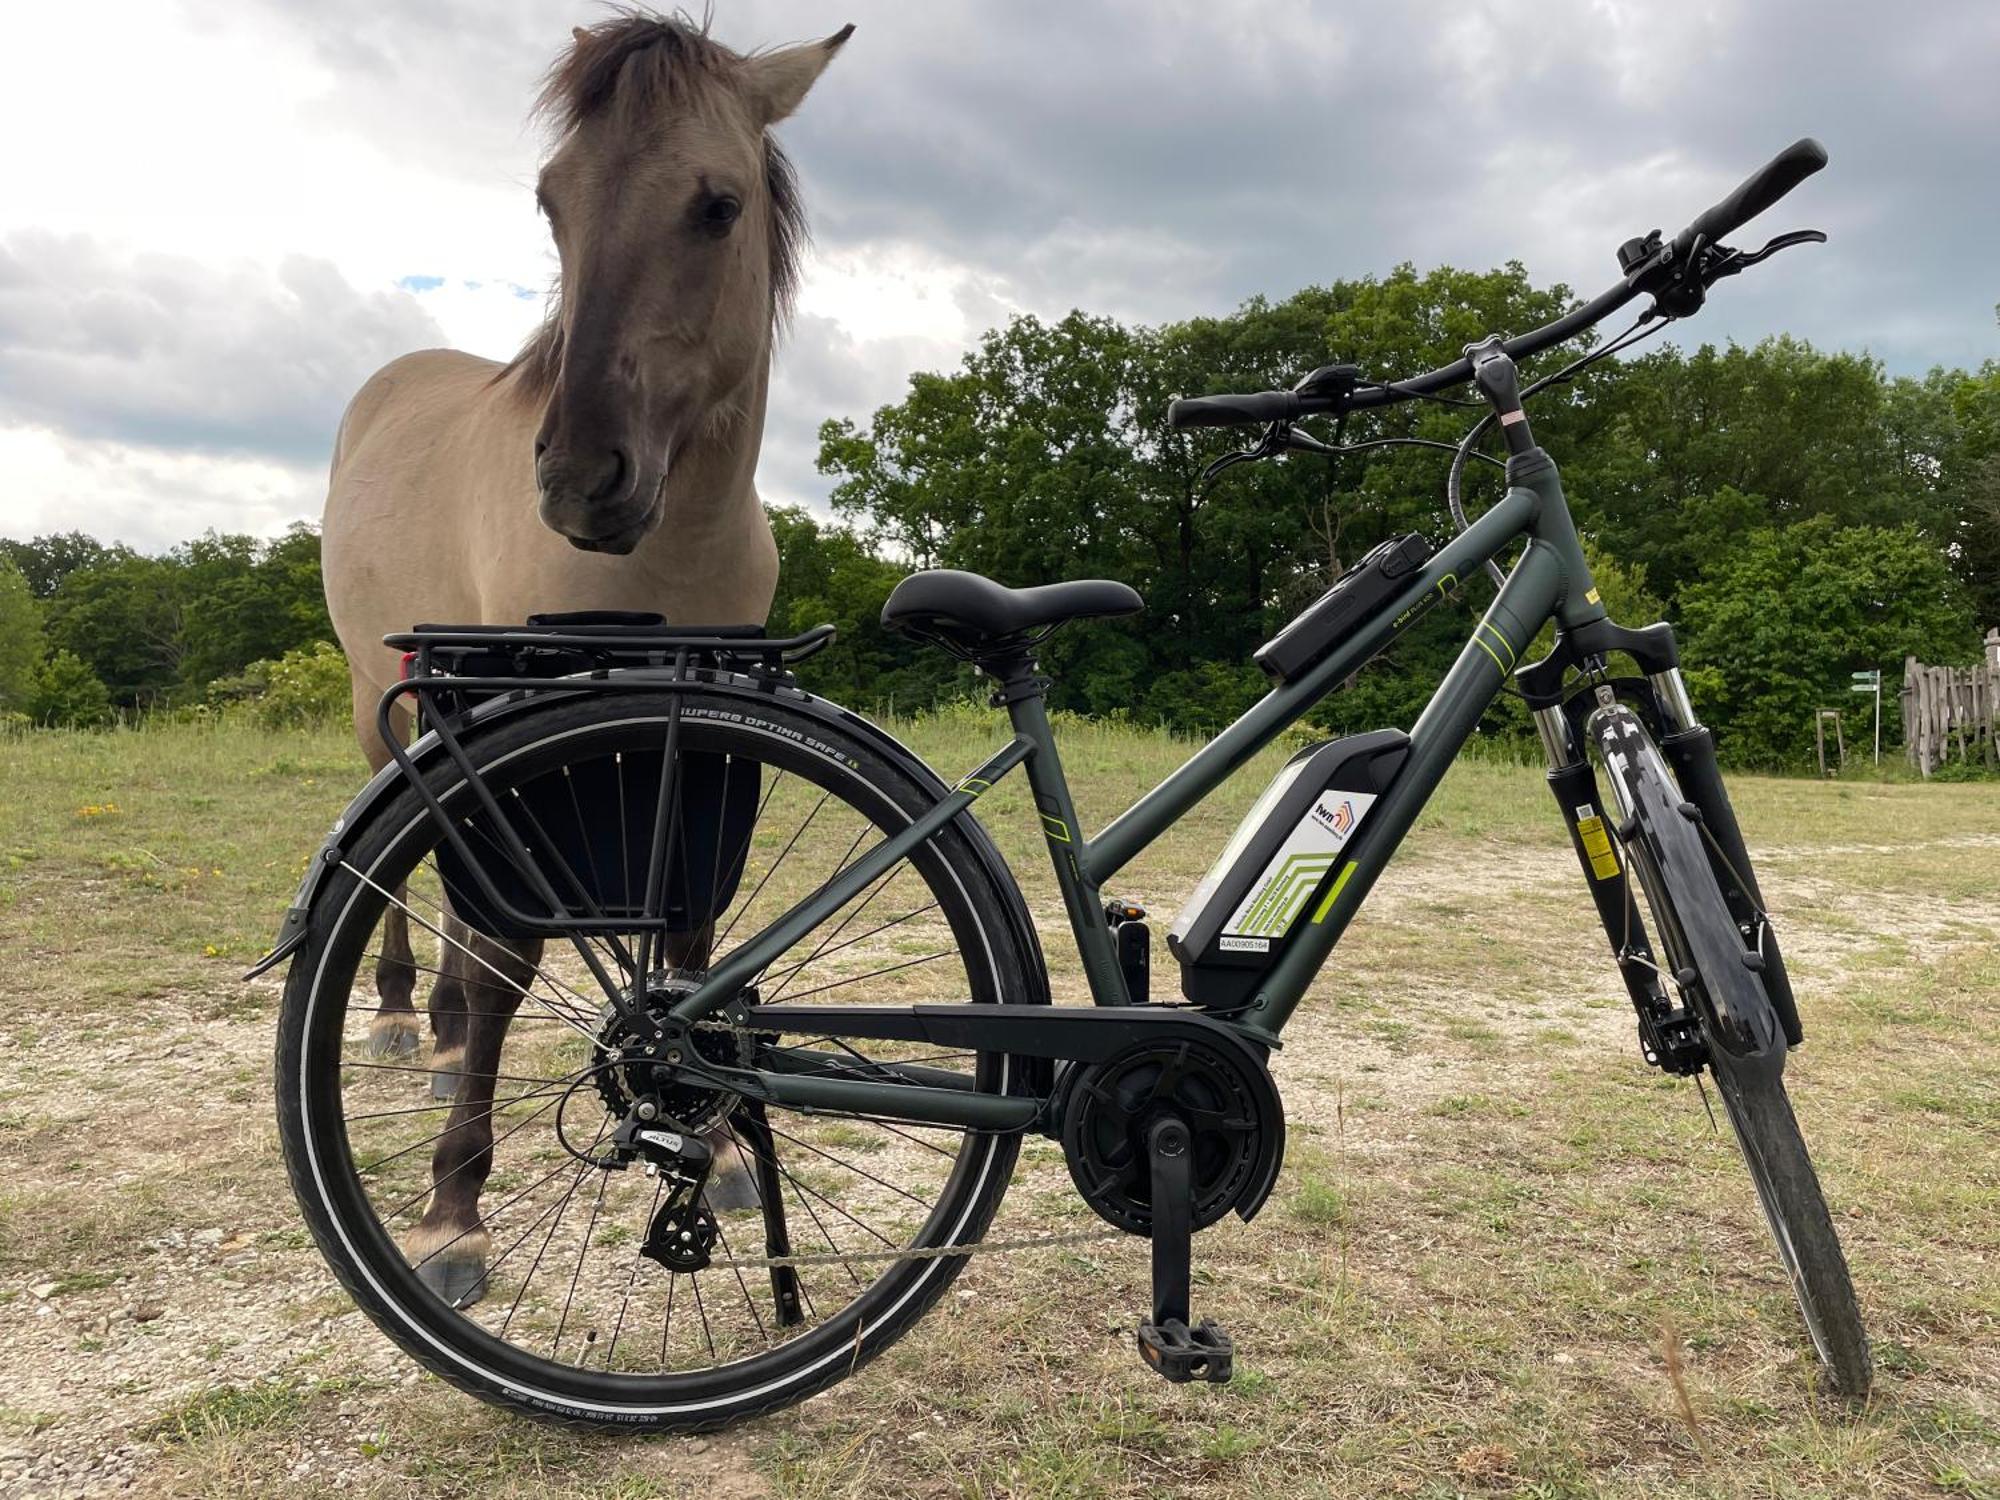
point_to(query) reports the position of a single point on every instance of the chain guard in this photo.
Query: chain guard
(1229, 1103)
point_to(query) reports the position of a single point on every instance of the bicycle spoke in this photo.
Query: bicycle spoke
(443, 936)
(928, 958)
(923, 1203)
(583, 1251)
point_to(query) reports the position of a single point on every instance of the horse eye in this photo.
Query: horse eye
(719, 213)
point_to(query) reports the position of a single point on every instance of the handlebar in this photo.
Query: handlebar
(1236, 411)
(1756, 193)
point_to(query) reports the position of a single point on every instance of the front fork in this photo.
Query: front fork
(1667, 1033)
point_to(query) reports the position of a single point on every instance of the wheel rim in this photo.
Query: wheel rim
(853, 1189)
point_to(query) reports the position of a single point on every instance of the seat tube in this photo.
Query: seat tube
(1022, 692)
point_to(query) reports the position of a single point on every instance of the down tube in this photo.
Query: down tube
(1524, 602)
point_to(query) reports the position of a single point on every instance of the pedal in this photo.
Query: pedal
(1171, 1347)
(1181, 1354)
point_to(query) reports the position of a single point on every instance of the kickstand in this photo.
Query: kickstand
(754, 1129)
(1167, 1344)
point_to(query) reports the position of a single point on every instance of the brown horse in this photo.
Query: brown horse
(610, 465)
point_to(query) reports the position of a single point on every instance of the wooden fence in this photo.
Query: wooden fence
(1952, 709)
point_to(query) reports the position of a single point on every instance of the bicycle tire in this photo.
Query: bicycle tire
(962, 871)
(1709, 959)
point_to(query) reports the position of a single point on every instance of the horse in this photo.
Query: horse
(609, 465)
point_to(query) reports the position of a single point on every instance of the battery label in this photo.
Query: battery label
(1301, 863)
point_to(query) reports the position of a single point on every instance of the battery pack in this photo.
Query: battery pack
(1282, 859)
(1356, 594)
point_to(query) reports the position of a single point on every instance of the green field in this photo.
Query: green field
(1504, 1257)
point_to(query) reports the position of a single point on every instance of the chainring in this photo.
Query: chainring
(1231, 1108)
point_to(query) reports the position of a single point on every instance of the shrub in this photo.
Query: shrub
(66, 693)
(307, 685)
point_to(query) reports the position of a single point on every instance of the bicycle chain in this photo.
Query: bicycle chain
(929, 1252)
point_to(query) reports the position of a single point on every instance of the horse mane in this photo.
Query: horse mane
(639, 61)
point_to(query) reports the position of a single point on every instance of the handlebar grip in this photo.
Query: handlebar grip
(1234, 411)
(1758, 191)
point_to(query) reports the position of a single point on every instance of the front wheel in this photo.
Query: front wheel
(1715, 970)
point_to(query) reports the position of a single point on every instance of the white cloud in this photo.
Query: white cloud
(144, 497)
(238, 191)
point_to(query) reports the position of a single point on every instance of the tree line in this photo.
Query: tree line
(1798, 514)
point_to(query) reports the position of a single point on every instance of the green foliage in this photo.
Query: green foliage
(158, 629)
(1045, 455)
(307, 686)
(45, 561)
(1783, 617)
(21, 640)
(828, 576)
(66, 694)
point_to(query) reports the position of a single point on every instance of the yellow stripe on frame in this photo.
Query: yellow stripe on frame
(1339, 884)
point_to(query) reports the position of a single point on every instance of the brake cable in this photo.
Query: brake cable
(1454, 483)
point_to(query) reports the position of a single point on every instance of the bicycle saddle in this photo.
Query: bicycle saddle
(944, 601)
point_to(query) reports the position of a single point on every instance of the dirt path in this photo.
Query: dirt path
(182, 1333)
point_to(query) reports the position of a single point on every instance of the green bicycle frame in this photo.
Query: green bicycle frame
(1550, 581)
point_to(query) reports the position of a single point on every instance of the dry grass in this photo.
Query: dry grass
(1504, 1257)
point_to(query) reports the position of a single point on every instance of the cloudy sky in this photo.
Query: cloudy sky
(218, 216)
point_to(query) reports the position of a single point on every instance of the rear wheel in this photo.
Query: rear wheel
(567, 1311)
(1716, 971)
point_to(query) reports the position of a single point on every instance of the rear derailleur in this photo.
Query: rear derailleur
(683, 1231)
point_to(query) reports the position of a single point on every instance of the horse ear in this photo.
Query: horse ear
(777, 81)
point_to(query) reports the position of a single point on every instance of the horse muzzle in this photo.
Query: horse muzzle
(607, 507)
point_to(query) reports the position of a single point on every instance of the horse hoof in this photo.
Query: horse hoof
(446, 1075)
(392, 1035)
(730, 1189)
(456, 1280)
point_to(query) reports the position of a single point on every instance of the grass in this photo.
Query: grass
(1504, 1258)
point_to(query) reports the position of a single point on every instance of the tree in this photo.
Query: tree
(47, 560)
(21, 640)
(828, 576)
(1786, 614)
(67, 695)
(123, 618)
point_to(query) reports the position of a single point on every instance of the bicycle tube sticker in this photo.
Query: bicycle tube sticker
(1295, 871)
(1596, 842)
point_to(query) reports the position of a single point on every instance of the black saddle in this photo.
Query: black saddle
(966, 611)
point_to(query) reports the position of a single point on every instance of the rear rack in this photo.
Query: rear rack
(601, 647)
(451, 669)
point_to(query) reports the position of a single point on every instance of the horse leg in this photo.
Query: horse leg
(393, 1032)
(449, 1005)
(450, 1245)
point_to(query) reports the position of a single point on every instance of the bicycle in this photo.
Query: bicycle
(634, 793)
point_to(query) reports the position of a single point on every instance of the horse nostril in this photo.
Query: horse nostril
(541, 450)
(614, 480)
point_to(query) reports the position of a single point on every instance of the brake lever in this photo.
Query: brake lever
(1276, 440)
(1735, 261)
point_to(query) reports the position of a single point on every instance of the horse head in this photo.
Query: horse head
(678, 223)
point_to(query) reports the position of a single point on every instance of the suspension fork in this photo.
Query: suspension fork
(1663, 1036)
